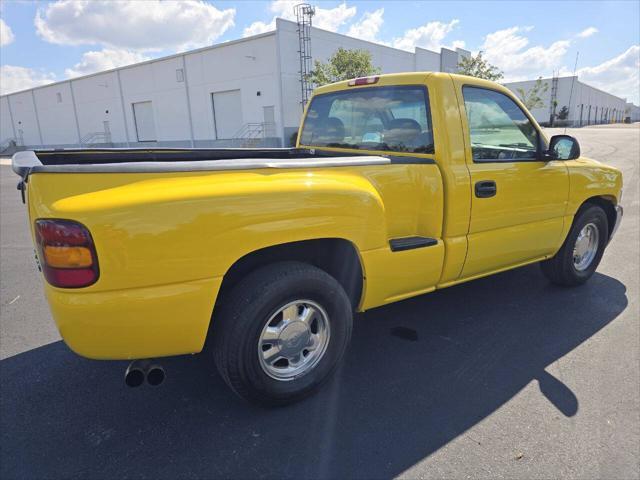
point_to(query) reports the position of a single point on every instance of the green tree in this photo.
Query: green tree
(563, 114)
(343, 65)
(479, 67)
(533, 98)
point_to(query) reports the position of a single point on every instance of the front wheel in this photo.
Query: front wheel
(582, 250)
(281, 332)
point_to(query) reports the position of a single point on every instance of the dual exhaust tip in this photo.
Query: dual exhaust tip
(140, 371)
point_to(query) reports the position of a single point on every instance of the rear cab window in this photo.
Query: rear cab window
(393, 119)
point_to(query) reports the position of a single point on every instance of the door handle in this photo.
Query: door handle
(485, 188)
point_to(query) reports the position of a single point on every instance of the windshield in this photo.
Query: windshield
(374, 118)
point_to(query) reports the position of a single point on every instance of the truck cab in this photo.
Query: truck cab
(506, 194)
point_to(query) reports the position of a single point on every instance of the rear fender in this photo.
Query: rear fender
(155, 230)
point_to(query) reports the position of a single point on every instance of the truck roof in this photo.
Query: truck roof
(384, 80)
(411, 78)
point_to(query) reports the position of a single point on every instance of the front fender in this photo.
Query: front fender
(589, 178)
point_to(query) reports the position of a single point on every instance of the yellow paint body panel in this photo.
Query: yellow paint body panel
(135, 322)
(393, 276)
(164, 241)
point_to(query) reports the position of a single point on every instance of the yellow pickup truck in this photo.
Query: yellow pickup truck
(399, 185)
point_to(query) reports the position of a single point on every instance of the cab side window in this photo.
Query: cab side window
(499, 129)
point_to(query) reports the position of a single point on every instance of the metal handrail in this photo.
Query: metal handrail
(7, 143)
(90, 137)
(253, 130)
(95, 137)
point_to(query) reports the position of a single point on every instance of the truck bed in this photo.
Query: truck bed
(176, 160)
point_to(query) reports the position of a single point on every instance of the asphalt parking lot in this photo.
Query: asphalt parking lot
(509, 377)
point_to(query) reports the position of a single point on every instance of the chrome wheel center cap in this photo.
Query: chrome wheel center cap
(293, 338)
(582, 245)
(586, 247)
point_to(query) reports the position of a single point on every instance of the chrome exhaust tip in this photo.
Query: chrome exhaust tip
(134, 375)
(155, 375)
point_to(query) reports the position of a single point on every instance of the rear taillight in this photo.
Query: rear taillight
(67, 253)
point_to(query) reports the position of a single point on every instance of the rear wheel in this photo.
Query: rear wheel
(582, 250)
(281, 332)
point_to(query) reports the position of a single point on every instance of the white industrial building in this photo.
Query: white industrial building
(239, 93)
(246, 92)
(632, 112)
(585, 105)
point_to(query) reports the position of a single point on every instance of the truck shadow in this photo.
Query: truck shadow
(419, 374)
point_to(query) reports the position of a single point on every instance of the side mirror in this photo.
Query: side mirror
(563, 147)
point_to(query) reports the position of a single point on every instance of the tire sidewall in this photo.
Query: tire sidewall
(327, 293)
(595, 215)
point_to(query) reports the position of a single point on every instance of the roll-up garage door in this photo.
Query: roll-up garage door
(145, 125)
(227, 112)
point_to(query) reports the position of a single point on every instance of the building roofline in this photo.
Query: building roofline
(145, 62)
(624, 99)
(278, 19)
(577, 80)
(211, 47)
(425, 50)
(541, 78)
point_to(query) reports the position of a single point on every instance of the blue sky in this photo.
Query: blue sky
(48, 41)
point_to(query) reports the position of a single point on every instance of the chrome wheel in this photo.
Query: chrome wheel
(586, 247)
(293, 340)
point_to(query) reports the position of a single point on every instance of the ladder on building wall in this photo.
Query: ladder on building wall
(304, 13)
(553, 104)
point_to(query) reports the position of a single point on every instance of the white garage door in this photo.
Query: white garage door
(269, 115)
(145, 125)
(227, 113)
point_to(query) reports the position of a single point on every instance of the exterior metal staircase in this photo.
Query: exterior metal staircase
(251, 134)
(97, 137)
(9, 145)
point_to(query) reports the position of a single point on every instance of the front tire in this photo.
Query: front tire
(580, 255)
(281, 332)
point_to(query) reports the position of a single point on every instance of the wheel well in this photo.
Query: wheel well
(608, 205)
(336, 256)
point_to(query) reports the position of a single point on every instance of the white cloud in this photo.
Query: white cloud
(106, 59)
(509, 50)
(333, 18)
(430, 36)
(13, 78)
(259, 27)
(368, 27)
(587, 32)
(6, 34)
(142, 25)
(618, 75)
(326, 18)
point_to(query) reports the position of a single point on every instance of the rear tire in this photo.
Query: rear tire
(580, 255)
(281, 332)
